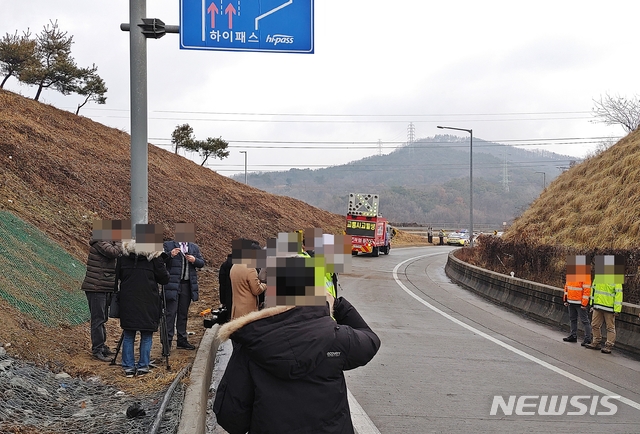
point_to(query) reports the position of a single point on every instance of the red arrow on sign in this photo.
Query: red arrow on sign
(213, 10)
(231, 11)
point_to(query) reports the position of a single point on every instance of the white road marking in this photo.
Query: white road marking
(361, 422)
(527, 356)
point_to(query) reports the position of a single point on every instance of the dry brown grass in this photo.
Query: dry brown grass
(61, 171)
(591, 209)
(595, 204)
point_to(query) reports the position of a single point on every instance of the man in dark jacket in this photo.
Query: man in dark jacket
(98, 285)
(184, 258)
(286, 374)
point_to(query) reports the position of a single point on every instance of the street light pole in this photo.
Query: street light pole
(544, 179)
(470, 178)
(245, 165)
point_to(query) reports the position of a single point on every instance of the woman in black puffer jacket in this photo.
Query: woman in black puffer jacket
(139, 274)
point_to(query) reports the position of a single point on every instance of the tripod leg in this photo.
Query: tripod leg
(166, 351)
(115, 356)
(164, 337)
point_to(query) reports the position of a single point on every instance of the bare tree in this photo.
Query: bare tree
(91, 86)
(54, 66)
(15, 53)
(618, 110)
(602, 146)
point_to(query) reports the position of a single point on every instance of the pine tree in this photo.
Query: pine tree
(53, 66)
(91, 86)
(16, 52)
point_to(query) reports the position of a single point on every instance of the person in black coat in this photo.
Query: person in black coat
(139, 273)
(224, 282)
(286, 374)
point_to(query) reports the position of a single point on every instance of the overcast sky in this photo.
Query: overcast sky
(516, 72)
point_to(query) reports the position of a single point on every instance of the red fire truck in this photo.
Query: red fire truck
(370, 233)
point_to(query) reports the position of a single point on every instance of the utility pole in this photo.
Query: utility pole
(245, 166)
(470, 131)
(140, 28)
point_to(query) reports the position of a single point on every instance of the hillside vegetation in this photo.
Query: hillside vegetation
(595, 204)
(592, 209)
(61, 171)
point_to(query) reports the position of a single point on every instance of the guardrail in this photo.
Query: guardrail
(541, 302)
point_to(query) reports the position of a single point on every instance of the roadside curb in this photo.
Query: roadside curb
(194, 409)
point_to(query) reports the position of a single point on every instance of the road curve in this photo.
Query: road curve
(447, 354)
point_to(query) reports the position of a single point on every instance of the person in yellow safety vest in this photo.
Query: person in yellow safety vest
(576, 298)
(606, 300)
(328, 277)
(329, 284)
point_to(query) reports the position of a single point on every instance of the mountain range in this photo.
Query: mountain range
(427, 182)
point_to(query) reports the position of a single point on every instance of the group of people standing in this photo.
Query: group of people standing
(130, 271)
(602, 297)
(289, 352)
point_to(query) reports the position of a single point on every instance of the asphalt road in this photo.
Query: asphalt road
(446, 353)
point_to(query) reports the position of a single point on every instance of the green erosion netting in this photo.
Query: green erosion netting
(38, 277)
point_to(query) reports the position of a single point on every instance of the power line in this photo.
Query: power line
(430, 166)
(355, 117)
(406, 115)
(258, 144)
(322, 121)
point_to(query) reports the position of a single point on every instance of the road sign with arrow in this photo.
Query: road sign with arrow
(247, 25)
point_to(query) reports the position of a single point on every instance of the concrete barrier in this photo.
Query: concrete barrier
(194, 409)
(540, 302)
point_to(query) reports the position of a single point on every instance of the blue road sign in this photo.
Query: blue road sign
(284, 26)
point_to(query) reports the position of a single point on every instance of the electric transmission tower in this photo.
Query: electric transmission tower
(411, 136)
(505, 173)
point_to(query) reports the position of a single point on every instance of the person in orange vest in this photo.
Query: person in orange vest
(576, 298)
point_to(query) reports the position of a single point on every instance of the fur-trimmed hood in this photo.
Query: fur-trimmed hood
(225, 332)
(129, 247)
(289, 342)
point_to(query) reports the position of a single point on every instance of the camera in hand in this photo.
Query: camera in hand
(216, 316)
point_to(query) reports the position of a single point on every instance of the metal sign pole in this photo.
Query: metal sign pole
(139, 151)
